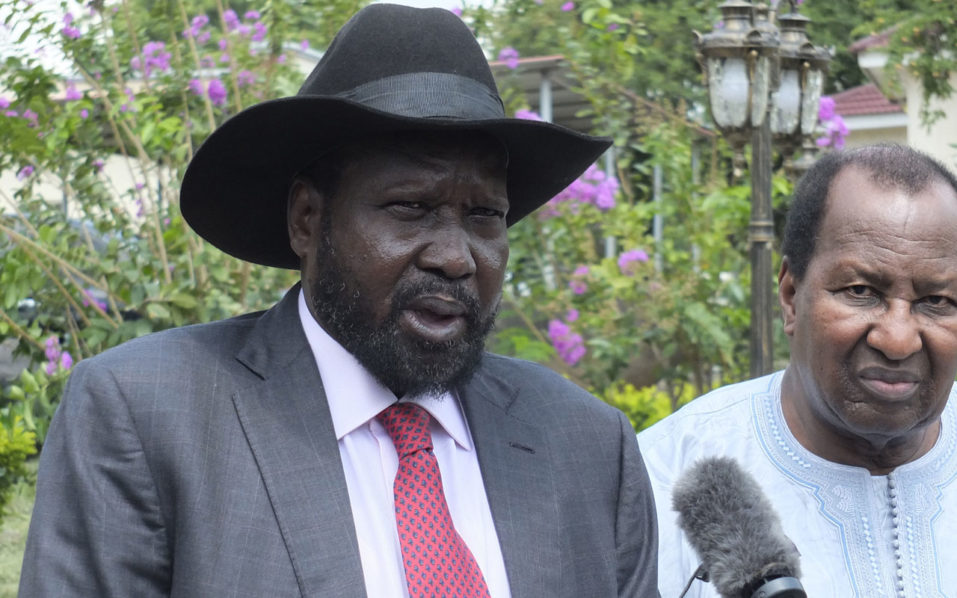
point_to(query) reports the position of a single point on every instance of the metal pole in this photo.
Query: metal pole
(611, 243)
(545, 97)
(657, 223)
(761, 235)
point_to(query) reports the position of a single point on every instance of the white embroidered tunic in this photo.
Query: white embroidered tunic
(859, 535)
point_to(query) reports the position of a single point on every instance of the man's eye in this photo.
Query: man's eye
(859, 290)
(938, 301)
(488, 212)
(407, 207)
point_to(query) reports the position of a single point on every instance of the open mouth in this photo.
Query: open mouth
(435, 318)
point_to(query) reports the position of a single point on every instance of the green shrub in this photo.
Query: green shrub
(645, 406)
(16, 445)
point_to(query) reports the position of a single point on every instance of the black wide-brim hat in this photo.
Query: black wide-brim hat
(389, 69)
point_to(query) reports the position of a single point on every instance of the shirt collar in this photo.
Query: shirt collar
(355, 396)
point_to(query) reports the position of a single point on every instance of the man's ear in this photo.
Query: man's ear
(787, 291)
(303, 209)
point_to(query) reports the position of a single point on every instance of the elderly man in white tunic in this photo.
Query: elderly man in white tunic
(855, 442)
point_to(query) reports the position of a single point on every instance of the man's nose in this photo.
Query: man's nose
(896, 333)
(449, 253)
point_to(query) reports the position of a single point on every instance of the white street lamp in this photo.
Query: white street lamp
(762, 80)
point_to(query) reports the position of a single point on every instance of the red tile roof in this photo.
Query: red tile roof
(863, 100)
(875, 40)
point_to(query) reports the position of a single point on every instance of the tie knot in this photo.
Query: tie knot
(408, 426)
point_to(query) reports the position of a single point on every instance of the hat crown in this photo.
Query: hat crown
(383, 42)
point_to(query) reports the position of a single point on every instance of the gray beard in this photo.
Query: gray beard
(406, 365)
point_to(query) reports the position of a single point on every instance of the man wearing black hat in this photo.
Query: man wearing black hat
(354, 440)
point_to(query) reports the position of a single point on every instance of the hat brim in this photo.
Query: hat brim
(235, 189)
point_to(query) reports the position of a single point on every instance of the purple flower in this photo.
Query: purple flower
(217, 92)
(4, 102)
(31, 116)
(84, 113)
(281, 59)
(456, 10)
(72, 93)
(98, 164)
(605, 193)
(196, 86)
(557, 329)
(304, 44)
(68, 25)
(156, 51)
(52, 348)
(224, 57)
(259, 31)
(572, 315)
(243, 29)
(628, 260)
(527, 115)
(826, 109)
(50, 368)
(834, 134)
(11, 113)
(245, 78)
(569, 345)
(203, 37)
(568, 6)
(154, 57)
(196, 26)
(613, 26)
(24, 173)
(223, 44)
(593, 187)
(251, 15)
(509, 56)
(66, 360)
(231, 19)
(577, 283)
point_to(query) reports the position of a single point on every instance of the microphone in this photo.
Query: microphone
(735, 532)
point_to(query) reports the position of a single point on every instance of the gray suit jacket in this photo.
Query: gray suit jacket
(202, 462)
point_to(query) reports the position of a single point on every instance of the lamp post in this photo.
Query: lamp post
(764, 82)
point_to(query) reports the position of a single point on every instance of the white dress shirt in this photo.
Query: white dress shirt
(370, 463)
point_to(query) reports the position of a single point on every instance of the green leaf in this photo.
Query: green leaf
(15, 392)
(184, 300)
(157, 311)
(29, 382)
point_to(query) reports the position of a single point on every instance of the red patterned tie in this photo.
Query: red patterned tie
(437, 561)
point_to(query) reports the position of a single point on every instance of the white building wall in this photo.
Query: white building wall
(940, 139)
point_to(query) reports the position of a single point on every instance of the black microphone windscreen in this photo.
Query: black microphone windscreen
(732, 526)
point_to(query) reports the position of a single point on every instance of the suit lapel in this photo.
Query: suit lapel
(519, 482)
(288, 426)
